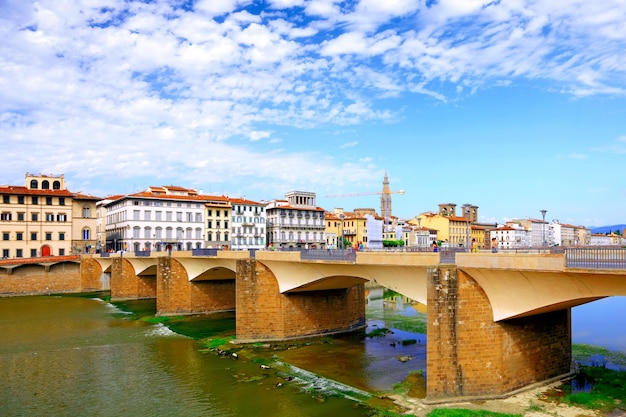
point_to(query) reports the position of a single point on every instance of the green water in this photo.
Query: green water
(78, 356)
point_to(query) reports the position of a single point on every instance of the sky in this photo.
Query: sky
(513, 106)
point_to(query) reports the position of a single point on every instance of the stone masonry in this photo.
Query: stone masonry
(125, 285)
(177, 295)
(471, 356)
(263, 313)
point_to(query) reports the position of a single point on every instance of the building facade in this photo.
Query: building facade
(295, 222)
(41, 218)
(248, 221)
(160, 219)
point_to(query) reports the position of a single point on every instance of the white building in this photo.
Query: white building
(160, 218)
(295, 222)
(511, 236)
(374, 232)
(248, 219)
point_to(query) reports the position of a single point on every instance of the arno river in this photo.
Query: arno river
(81, 356)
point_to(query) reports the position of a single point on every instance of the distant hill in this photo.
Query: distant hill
(607, 229)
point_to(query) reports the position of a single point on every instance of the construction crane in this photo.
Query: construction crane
(364, 194)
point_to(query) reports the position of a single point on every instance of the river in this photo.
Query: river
(81, 356)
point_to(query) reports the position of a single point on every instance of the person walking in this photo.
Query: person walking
(474, 246)
(494, 245)
(434, 247)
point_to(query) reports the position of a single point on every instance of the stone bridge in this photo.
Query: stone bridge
(496, 323)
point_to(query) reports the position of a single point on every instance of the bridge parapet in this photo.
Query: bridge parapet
(515, 261)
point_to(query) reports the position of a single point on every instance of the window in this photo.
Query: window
(217, 213)
(86, 234)
(226, 236)
(225, 213)
(209, 212)
(45, 184)
(56, 185)
(61, 252)
(147, 215)
(35, 200)
(136, 232)
(20, 199)
(62, 217)
(86, 213)
(5, 236)
(34, 184)
(48, 201)
(157, 216)
(34, 216)
(61, 236)
(168, 216)
(5, 253)
(5, 216)
(48, 236)
(209, 224)
(158, 231)
(19, 253)
(19, 236)
(33, 236)
(20, 217)
(217, 224)
(179, 216)
(6, 199)
(135, 214)
(226, 224)
(49, 217)
(33, 253)
(61, 201)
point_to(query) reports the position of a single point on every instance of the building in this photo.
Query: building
(248, 221)
(217, 223)
(84, 234)
(42, 218)
(511, 236)
(452, 229)
(159, 218)
(295, 222)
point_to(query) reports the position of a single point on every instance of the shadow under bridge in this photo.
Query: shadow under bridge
(409, 279)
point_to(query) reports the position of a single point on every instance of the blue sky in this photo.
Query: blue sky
(513, 106)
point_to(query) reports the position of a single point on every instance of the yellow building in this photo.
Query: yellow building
(452, 229)
(40, 219)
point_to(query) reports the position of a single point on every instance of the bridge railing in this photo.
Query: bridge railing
(603, 257)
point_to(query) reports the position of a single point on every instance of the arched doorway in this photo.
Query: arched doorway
(45, 250)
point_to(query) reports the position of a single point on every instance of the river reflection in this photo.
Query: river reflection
(72, 356)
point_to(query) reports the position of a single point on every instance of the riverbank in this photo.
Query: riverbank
(531, 403)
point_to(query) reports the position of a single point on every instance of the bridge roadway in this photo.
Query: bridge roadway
(496, 323)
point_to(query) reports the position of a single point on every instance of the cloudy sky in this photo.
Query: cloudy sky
(514, 106)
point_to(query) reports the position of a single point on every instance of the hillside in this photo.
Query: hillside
(607, 229)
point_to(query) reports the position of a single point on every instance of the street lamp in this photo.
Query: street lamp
(466, 208)
(419, 233)
(341, 217)
(543, 229)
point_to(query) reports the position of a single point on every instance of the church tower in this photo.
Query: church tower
(385, 203)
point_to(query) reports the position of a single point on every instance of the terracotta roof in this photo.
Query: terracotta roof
(20, 190)
(244, 201)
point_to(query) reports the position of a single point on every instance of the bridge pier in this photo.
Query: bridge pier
(471, 356)
(263, 313)
(176, 294)
(126, 285)
(90, 274)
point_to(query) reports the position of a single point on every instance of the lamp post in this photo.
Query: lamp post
(543, 229)
(466, 208)
(419, 233)
(341, 217)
